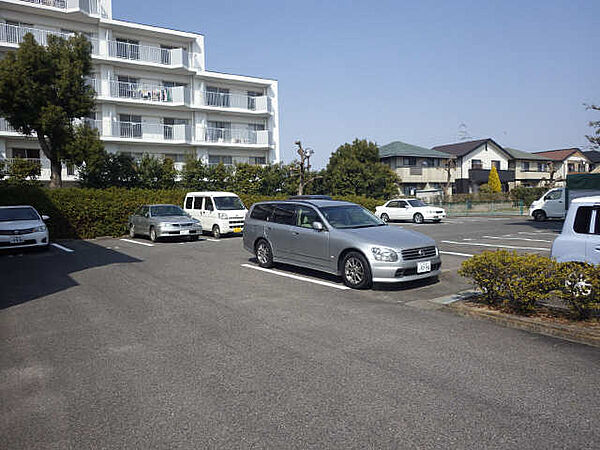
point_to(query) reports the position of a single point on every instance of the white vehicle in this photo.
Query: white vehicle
(555, 202)
(580, 236)
(218, 212)
(22, 226)
(409, 209)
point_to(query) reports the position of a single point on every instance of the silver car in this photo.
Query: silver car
(158, 221)
(341, 238)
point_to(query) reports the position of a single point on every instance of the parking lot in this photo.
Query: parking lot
(125, 343)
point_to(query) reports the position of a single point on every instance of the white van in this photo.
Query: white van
(218, 212)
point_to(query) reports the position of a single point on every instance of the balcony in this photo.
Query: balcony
(61, 4)
(151, 131)
(148, 93)
(421, 174)
(482, 175)
(5, 127)
(236, 101)
(232, 136)
(91, 7)
(14, 34)
(175, 57)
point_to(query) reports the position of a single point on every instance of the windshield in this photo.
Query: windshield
(417, 203)
(166, 210)
(9, 214)
(228, 203)
(350, 216)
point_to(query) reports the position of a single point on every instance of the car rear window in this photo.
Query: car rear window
(262, 212)
(284, 214)
(583, 217)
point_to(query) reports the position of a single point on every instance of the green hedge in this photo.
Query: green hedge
(89, 213)
(519, 282)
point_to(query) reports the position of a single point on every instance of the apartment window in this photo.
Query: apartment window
(257, 160)
(26, 153)
(165, 54)
(525, 166)
(128, 48)
(496, 164)
(216, 96)
(542, 167)
(409, 161)
(476, 164)
(214, 160)
(128, 86)
(571, 167)
(70, 169)
(252, 99)
(130, 126)
(218, 131)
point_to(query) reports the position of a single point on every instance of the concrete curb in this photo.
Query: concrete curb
(567, 332)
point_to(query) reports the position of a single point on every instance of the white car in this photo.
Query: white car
(219, 212)
(579, 239)
(409, 209)
(22, 226)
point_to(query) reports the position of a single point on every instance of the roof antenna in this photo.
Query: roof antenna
(463, 133)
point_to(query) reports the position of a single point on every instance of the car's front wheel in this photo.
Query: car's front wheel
(539, 216)
(153, 235)
(356, 271)
(264, 254)
(385, 217)
(418, 218)
(216, 232)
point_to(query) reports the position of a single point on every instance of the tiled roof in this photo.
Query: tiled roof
(398, 148)
(520, 154)
(462, 148)
(558, 155)
(593, 156)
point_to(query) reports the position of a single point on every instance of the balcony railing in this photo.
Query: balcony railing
(151, 131)
(146, 53)
(149, 93)
(232, 136)
(240, 101)
(5, 126)
(14, 34)
(62, 4)
(35, 162)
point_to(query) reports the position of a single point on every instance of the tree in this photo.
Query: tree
(43, 91)
(595, 138)
(109, 169)
(304, 168)
(154, 173)
(494, 180)
(194, 174)
(355, 169)
(449, 167)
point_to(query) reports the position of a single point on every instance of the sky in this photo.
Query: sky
(516, 71)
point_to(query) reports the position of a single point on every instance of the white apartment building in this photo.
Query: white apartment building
(154, 94)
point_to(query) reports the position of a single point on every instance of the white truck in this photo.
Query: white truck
(554, 203)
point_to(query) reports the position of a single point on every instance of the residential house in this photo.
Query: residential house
(154, 93)
(417, 167)
(531, 170)
(474, 160)
(594, 157)
(564, 162)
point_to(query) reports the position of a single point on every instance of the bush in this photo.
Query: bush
(510, 280)
(580, 288)
(527, 194)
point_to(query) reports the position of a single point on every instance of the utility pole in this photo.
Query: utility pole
(305, 154)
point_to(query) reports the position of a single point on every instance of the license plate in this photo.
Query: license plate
(424, 266)
(237, 230)
(185, 232)
(16, 240)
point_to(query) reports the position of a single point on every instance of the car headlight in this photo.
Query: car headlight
(384, 254)
(223, 216)
(40, 229)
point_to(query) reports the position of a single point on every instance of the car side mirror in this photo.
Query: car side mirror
(317, 226)
(45, 217)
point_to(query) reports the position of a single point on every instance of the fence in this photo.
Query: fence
(474, 208)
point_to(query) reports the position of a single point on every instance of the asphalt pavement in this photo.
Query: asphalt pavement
(124, 343)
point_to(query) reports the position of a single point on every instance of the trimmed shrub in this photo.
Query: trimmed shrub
(89, 213)
(527, 194)
(580, 288)
(511, 280)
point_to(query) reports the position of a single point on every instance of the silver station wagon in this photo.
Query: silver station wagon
(341, 238)
(159, 221)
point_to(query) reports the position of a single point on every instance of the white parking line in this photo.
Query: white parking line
(214, 240)
(64, 249)
(466, 255)
(147, 244)
(505, 238)
(537, 233)
(296, 277)
(479, 244)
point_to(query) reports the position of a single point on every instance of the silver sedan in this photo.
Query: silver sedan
(158, 221)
